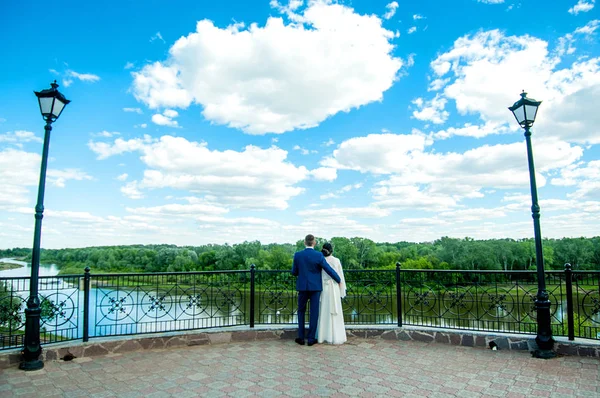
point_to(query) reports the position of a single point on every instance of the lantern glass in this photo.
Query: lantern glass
(46, 105)
(519, 114)
(58, 108)
(530, 112)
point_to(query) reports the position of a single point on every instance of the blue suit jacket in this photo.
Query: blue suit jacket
(308, 264)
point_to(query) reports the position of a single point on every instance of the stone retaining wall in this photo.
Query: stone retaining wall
(121, 344)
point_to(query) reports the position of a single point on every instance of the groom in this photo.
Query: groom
(308, 264)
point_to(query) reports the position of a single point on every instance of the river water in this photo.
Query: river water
(25, 270)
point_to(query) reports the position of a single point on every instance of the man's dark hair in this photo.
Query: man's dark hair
(309, 240)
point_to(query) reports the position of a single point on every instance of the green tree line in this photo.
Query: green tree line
(354, 253)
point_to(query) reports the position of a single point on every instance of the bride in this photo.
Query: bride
(331, 317)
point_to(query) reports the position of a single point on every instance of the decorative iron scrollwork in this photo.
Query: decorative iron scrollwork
(194, 303)
(58, 309)
(421, 301)
(497, 303)
(591, 306)
(156, 304)
(275, 298)
(11, 312)
(115, 306)
(458, 303)
(228, 299)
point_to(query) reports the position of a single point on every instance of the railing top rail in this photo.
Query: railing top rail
(370, 270)
(426, 271)
(465, 271)
(446, 271)
(245, 271)
(345, 270)
(273, 271)
(14, 278)
(586, 272)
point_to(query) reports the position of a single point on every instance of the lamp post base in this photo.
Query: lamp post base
(31, 365)
(544, 340)
(543, 354)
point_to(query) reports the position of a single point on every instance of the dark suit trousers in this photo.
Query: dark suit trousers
(313, 297)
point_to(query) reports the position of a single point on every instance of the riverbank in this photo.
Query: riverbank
(4, 266)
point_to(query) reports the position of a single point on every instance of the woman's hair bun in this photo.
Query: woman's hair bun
(327, 249)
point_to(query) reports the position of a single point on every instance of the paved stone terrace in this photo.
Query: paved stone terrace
(361, 367)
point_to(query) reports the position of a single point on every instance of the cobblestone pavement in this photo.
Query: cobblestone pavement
(361, 367)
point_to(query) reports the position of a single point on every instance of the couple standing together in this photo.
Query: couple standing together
(320, 282)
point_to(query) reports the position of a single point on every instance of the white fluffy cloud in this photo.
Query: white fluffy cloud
(104, 150)
(589, 28)
(344, 189)
(179, 210)
(105, 134)
(20, 170)
(582, 6)
(376, 153)
(484, 73)
(390, 10)
(59, 177)
(157, 36)
(278, 77)
(324, 174)
(19, 136)
(439, 181)
(134, 110)
(254, 178)
(304, 151)
(84, 77)
(166, 119)
(397, 195)
(358, 212)
(471, 130)
(71, 75)
(131, 190)
(585, 177)
(431, 111)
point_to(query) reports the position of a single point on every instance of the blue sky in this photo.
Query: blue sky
(197, 122)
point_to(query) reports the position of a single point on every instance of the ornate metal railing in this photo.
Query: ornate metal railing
(276, 298)
(369, 300)
(478, 300)
(88, 306)
(59, 302)
(584, 303)
(147, 303)
(370, 297)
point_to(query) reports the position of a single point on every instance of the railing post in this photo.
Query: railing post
(86, 304)
(570, 314)
(252, 280)
(398, 295)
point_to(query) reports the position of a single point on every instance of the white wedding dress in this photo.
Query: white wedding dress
(331, 327)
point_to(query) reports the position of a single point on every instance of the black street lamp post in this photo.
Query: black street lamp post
(525, 111)
(52, 103)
